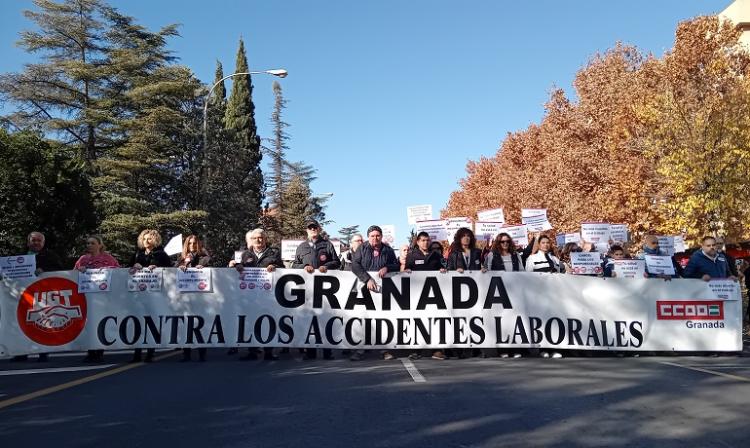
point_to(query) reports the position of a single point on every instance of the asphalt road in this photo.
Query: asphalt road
(673, 401)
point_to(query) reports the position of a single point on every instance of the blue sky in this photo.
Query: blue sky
(389, 99)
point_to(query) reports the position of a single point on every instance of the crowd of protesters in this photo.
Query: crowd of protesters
(368, 256)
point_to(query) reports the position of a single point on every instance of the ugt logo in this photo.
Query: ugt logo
(51, 311)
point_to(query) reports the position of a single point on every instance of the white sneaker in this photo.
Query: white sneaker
(503, 355)
(517, 355)
(556, 355)
(544, 355)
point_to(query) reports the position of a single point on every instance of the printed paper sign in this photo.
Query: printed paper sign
(586, 263)
(678, 243)
(529, 212)
(453, 224)
(336, 245)
(659, 264)
(629, 268)
(18, 266)
(595, 232)
(726, 289)
(289, 249)
(238, 256)
(519, 234)
(95, 280)
(666, 245)
(146, 280)
(494, 215)
(536, 223)
(416, 213)
(194, 280)
(572, 238)
(256, 278)
(435, 228)
(487, 230)
(618, 233)
(389, 234)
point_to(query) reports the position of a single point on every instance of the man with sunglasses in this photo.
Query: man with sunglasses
(316, 253)
(651, 247)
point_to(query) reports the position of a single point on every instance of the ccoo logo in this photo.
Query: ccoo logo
(51, 311)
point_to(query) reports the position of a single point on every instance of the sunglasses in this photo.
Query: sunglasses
(312, 227)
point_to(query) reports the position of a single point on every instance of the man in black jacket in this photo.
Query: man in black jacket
(316, 253)
(374, 256)
(46, 261)
(258, 255)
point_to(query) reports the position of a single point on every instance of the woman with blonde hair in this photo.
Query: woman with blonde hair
(150, 255)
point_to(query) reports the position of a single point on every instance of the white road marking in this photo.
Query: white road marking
(712, 372)
(53, 370)
(413, 371)
(113, 352)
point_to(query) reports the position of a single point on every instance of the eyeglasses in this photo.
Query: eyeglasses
(312, 227)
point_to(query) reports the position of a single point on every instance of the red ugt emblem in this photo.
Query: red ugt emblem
(51, 311)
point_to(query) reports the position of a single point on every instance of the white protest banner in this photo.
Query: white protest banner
(435, 228)
(529, 212)
(666, 245)
(519, 234)
(453, 224)
(18, 266)
(618, 233)
(487, 230)
(174, 246)
(629, 268)
(194, 280)
(659, 264)
(586, 263)
(510, 310)
(255, 278)
(493, 215)
(537, 223)
(95, 280)
(573, 238)
(289, 249)
(678, 242)
(595, 232)
(416, 213)
(389, 235)
(146, 280)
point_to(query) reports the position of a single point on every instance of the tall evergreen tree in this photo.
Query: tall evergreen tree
(347, 233)
(297, 208)
(67, 93)
(279, 143)
(240, 117)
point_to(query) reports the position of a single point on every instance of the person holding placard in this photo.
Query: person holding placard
(95, 258)
(541, 258)
(616, 252)
(258, 255)
(651, 247)
(316, 253)
(149, 255)
(463, 254)
(193, 255)
(566, 266)
(346, 257)
(707, 264)
(503, 256)
(46, 261)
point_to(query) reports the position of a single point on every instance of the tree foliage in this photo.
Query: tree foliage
(658, 143)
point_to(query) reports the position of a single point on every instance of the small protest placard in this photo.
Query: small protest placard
(145, 280)
(629, 268)
(18, 266)
(255, 279)
(95, 280)
(194, 280)
(659, 264)
(586, 263)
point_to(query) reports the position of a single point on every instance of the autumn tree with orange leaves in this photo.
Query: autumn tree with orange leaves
(637, 145)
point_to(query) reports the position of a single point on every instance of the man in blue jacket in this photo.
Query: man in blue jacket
(707, 263)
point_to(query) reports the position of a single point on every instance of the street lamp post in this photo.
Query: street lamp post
(280, 72)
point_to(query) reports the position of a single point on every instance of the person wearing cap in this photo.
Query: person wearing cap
(374, 256)
(316, 253)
